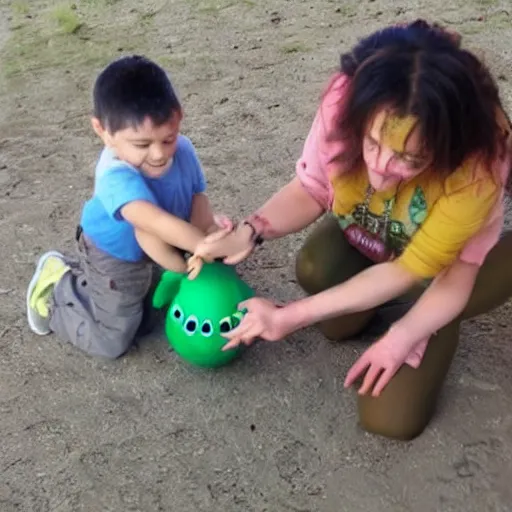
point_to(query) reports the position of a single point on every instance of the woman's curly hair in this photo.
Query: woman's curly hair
(421, 69)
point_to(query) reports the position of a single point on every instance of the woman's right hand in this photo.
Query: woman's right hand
(262, 319)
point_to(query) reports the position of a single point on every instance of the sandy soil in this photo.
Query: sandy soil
(275, 432)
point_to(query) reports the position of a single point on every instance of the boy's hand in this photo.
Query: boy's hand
(232, 245)
(222, 226)
(222, 222)
(194, 265)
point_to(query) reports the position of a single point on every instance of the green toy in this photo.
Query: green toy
(200, 310)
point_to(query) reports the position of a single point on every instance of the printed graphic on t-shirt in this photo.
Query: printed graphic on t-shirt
(383, 236)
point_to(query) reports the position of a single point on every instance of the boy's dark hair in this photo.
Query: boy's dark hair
(420, 69)
(131, 89)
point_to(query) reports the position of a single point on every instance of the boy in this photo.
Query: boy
(149, 199)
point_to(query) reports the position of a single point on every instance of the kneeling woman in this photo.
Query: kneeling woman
(408, 154)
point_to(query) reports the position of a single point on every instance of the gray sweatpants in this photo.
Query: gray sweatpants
(98, 305)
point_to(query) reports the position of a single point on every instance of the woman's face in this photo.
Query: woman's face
(392, 150)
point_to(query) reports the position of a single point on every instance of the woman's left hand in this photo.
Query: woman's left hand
(382, 360)
(262, 319)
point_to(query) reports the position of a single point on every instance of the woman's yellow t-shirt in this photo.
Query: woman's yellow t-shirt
(430, 218)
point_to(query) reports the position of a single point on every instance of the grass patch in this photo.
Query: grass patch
(214, 7)
(499, 20)
(170, 62)
(347, 11)
(294, 48)
(67, 19)
(98, 3)
(20, 8)
(147, 17)
(20, 12)
(60, 37)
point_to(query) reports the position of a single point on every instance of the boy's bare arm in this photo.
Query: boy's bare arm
(151, 219)
(202, 214)
(161, 253)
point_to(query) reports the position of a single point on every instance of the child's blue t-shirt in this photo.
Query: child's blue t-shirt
(118, 183)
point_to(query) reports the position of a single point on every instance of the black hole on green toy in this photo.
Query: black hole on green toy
(206, 328)
(191, 325)
(177, 313)
(225, 326)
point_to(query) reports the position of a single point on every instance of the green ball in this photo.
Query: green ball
(200, 310)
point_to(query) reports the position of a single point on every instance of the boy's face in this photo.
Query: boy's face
(148, 147)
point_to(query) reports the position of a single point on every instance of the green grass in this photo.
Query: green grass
(147, 17)
(347, 10)
(60, 37)
(67, 18)
(214, 7)
(170, 62)
(20, 11)
(20, 8)
(98, 3)
(295, 47)
(497, 20)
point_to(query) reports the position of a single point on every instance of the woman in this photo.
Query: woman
(408, 155)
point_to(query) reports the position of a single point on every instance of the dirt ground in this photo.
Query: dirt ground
(274, 432)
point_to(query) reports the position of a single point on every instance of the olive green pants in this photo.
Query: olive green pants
(408, 402)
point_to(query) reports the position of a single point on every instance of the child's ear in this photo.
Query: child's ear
(101, 132)
(167, 288)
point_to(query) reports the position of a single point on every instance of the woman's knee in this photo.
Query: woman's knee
(326, 258)
(310, 275)
(403, 409)
(493, 286)
(407, 404)
(393, 421)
